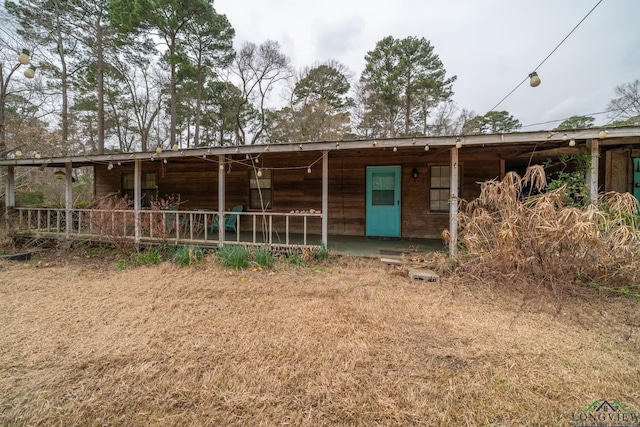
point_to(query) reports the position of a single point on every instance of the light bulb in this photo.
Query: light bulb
(174, 147)
(309, 170)
(259, 173)
(110, 166)
(221, 167)
(572, 143)
(158, 150)
(24, 57)
(337, 145)
(30, 72)
(458, 143)
(565, 137)
(426, 148)
(18, 153)
(395, 148)
(602, 134)
(535, 80)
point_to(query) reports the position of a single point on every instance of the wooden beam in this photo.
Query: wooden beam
(325, 197)
(137, 197)
(453, 204)
(221, 200)
(9, 198)
(592, 174)
(68, 205)
(10, 188)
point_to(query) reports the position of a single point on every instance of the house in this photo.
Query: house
(303, 194)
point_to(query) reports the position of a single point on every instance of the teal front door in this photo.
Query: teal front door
(383, 201)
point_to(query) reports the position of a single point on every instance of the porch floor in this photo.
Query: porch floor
(355, 245)
(373, 247)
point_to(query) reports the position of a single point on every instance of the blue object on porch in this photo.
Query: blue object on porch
(230, 223)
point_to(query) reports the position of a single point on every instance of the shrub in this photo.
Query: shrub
(541, 240)
(233, 256)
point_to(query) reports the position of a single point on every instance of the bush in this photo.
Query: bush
(233, 256)
(542, 241)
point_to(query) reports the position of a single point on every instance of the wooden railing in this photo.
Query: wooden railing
(173, 226)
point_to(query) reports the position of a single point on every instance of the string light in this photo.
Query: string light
(395, 148)
(534, 79)
(259, 173)
(309, 169)
(174, 147)
(110, 166)
(337, 145)
(602, 134)
(565, 137)
(18, 153)
(158, 150)
(572, 143)
(426, 147)
(458, 143)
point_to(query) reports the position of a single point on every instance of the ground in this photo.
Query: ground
(348, 342)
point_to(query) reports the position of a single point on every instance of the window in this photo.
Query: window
(440, 188)
(260, 190)
(147, 187)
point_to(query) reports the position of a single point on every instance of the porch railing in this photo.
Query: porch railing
(172, 226)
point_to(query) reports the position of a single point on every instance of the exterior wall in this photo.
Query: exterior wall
(196, 181)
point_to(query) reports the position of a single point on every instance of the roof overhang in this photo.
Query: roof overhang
(615, 136)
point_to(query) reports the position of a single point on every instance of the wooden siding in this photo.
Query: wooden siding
(196, 181)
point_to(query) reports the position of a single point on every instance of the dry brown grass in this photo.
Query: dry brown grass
(509, 233)
(349, 343)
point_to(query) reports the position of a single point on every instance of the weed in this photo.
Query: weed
(233, 256)
(123, 264)
(188, 255)
(150, 257)
(263, 257)
(321, 253)
(296, 259)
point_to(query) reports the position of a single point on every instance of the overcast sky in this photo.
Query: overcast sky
(491, 45)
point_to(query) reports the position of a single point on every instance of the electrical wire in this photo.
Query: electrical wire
(548, 56)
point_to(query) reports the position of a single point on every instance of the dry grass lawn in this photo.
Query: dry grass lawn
(351, 342)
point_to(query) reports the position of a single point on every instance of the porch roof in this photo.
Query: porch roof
(615, 135)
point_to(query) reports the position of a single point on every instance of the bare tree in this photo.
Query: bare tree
(258, 69)
(625, 107)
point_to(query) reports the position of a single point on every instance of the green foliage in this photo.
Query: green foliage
(188, 255)
(150, 257)
(263, 257)
(233, 256)
(296, 258)
(30, 198)
(576, 122)
(570, 172)
(404, 78)
(123, 264)
(497, 122)
(321, 253)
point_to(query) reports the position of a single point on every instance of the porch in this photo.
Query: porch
(181, 227)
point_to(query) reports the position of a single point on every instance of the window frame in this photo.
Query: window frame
(443, 188)
(147, 193)
(255, 189)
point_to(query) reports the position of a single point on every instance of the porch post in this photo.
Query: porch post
(9, 198)
(221, 201)
(592, 174)
(137, 196)
(453, 204)
(68, 189)
(325, 197)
